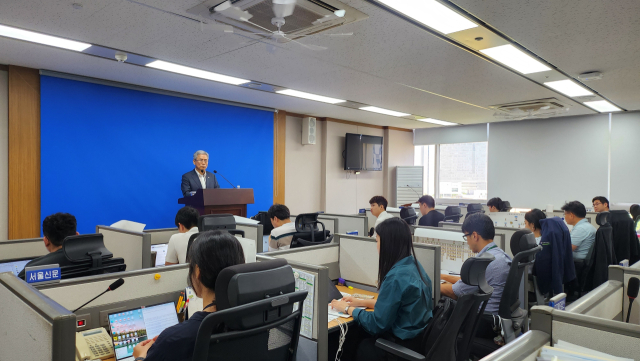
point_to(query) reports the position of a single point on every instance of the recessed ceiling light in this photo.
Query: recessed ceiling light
(384, 111)
(432, 14)
(512, 57)
(568, 88)
(185, 70)
(436, 121)
(602, 106)
(42, 38)
(318, 98)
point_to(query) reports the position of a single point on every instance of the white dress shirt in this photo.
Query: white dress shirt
(381, 218)
(177, 249)
(203, 179)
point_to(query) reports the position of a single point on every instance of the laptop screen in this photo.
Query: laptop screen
(161, 253)
(15, 266)
(129, 328)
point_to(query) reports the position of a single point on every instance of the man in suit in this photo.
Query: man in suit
(199, 178)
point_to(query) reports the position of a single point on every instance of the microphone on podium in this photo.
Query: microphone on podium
(112, 287)
(632, 292)
(216, 172)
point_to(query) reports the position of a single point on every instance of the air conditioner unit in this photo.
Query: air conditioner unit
(309, 16)
(538, 108)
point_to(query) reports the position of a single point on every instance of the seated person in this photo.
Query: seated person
(187, 223)
(404, 305)
(430, 217)
(283, 229)
(494, 204)
(479, 231)
(600, 204)
(55, 228)
(210, 253)
(583, 233)
(532, 222)
(379, 210)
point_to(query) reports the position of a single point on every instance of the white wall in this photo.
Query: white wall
(4, 155)
(399, 152)
(625, 158)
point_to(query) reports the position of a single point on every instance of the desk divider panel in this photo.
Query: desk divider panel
(624, 274)
(502, 237)
(139, 289)
(371, 219)
(36, 327)
(22, 248)
(524, 348)
(321, 255)
(134, 247)
(608, 336)
(253, 231)
(350, 223)
(161, 235)
(604, 302)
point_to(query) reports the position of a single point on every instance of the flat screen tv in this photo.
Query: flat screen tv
(362, 152)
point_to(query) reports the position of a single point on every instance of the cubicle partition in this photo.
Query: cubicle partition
(35, 326)
(524, 348)
(22, 249)
(371, 219)
(141, 288)
(502, 237)
(350, 223)
(161, 235)
(253, 231)
(605, 301)
(134, 247)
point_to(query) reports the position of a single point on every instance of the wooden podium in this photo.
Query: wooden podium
(219, 200)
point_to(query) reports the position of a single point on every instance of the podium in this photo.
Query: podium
(219, 200)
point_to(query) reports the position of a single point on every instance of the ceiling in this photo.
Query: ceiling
(388, 63)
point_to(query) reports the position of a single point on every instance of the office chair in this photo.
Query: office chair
(473, 208)
(307, 233)
(452, 214)
(264, 220)
(625, 238)
(87, 256)
(255, 317)
(505, 206)
(593, 271)
(226, 222)
(453, 342)
(513, 318)
(408, 214)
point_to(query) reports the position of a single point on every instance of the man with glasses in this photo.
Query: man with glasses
(198, 178)
(583, 233)
(600, 204)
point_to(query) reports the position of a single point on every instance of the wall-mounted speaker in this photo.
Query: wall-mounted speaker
(309, 130)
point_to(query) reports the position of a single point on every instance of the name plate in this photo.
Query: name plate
(42, 274)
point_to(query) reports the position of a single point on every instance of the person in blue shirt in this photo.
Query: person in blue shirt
(210, 253)
(583, 234)
(404, 305)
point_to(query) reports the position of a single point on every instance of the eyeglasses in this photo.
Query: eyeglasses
(464, 236)
(597, 204)
(202, 160)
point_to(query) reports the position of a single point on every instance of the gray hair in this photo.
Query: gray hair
(200, 152)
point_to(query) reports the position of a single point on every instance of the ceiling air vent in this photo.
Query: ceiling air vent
(309, 16)
(531, 109)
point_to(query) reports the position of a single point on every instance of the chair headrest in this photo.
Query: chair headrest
(250, 282)
(522, 240)
(452, 211)
(602, 218)
(77, 248)
(306, 222)
(474, 207)
(506, 206)
(211, 222)
(407, 212)
(473, 271)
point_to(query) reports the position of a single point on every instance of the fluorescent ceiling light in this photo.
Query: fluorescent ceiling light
(318, 98)
(432, 14)
(42, 39)
(602, 106)
(512, 57)
(568, 88)
(185, 70)
(384, 111)
(436, 121)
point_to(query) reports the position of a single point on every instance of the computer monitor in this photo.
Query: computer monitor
(161, 253)
(129, 328)
(15, 266)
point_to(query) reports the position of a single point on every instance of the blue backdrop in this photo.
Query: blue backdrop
(110, 153)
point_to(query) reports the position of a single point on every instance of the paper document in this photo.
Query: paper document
(570, 352)
(129, 226)
(195, 303)
(243, 220)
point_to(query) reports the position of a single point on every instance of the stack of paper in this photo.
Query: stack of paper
(565, 351)
(243, 220)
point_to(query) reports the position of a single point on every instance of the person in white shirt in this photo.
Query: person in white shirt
(379, 209)
(187, 223)
(283, 229)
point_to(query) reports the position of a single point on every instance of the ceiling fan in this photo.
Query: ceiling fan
(281, 9)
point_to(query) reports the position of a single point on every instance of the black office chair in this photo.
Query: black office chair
(255, 317)
(593, 271)
(514, 319)
(473, 208)
(308, 233)
(453, 342)
(225, 222)
(625, 238)
(408, 214)
(264, 220)
(505, 206)
(87, 256)
(452, 214)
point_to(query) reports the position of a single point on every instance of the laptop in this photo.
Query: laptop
(14, 266)
(129, 328)
(161, 253)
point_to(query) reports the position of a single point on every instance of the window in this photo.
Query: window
(461, 170)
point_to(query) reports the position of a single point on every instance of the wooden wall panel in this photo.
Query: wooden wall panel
(24, 152)
(279, 142)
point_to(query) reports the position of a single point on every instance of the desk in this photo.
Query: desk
(334, 323)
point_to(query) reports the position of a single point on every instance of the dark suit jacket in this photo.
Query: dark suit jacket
(431, 219)
(51, 258)
(191, 182)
